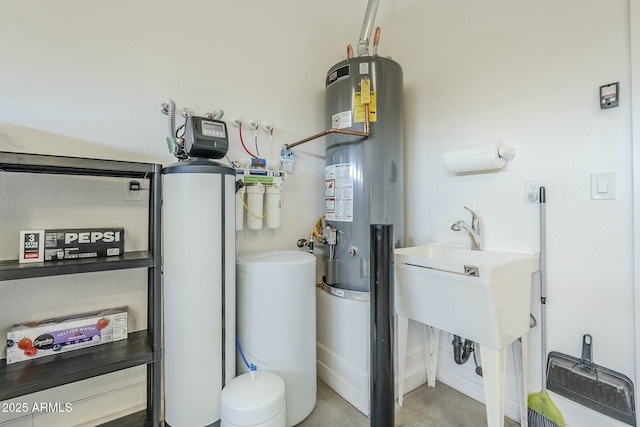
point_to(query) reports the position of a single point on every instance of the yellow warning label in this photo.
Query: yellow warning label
(358, 107)
(365, 90)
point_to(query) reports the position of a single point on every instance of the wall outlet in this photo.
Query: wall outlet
(132, 190)
(532, 191)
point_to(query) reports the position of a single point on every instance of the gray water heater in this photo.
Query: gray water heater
(364, 181)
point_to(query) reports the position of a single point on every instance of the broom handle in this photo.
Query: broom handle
(543, 286)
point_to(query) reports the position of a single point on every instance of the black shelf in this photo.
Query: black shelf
(137, 419)
(43, 163)
(141, 348)
(23, 378)
(12, 269)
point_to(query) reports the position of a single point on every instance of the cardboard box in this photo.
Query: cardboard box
(31, 246)
(83, 243)
(31, 340)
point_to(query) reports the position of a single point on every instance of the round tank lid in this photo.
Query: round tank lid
(275, 261)
(247, 402)
(197, 165)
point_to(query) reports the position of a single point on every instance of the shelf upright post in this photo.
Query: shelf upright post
(154, 370)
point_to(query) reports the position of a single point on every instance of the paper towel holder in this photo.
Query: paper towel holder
(483, 157)
(506, 152)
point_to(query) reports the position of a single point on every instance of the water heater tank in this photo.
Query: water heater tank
(198, 216)
(364, 181)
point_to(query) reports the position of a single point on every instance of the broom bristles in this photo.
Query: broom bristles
(538, 420)
(543, 412)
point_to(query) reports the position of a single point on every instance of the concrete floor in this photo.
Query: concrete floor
(441, 406)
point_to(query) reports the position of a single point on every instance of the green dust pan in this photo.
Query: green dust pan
(593, 386)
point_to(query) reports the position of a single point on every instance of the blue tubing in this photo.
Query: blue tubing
(251, 366)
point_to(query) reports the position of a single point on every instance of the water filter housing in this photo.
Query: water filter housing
(199, 289)
(255, 206)
(364, 182)
(274, 206)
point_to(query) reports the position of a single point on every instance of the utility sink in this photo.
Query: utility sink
(484, 296)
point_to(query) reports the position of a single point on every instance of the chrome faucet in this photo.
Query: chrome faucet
(472, 230)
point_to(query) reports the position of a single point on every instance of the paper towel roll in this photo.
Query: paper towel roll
(476, 158)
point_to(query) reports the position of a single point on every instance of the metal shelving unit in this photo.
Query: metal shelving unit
(142, 347)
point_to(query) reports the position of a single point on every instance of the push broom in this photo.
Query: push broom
(542, 411)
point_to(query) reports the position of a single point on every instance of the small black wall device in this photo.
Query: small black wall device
(205, 138)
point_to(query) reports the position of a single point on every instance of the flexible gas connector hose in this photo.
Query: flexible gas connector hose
(317, 230)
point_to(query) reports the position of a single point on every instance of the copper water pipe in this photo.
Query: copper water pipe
(376, 40)
(327, 132)
(367, 127)
(364, 134)
(349, 51)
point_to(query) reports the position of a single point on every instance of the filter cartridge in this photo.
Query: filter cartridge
(274, 206)
(255, 203)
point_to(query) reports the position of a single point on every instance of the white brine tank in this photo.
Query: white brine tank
(276, 305)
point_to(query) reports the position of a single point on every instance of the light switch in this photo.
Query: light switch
(603, 186)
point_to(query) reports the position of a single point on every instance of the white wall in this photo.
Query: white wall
(527, 74)
(88, 80)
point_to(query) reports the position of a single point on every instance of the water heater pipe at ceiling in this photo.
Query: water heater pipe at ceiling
(363, 50)
(367, 25)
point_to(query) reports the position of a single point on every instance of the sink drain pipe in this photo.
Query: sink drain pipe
(461, 352)
(381, 383)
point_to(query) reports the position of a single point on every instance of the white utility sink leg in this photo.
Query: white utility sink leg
(432, 341)
(524, 391)
(403, 327)
(519, 350)
(493, 371)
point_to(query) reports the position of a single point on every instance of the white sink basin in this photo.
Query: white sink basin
(483, 295)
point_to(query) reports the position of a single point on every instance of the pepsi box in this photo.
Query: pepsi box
(83, 243)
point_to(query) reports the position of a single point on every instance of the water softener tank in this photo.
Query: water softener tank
(364, 181)
(277, 322)
(199, 289)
